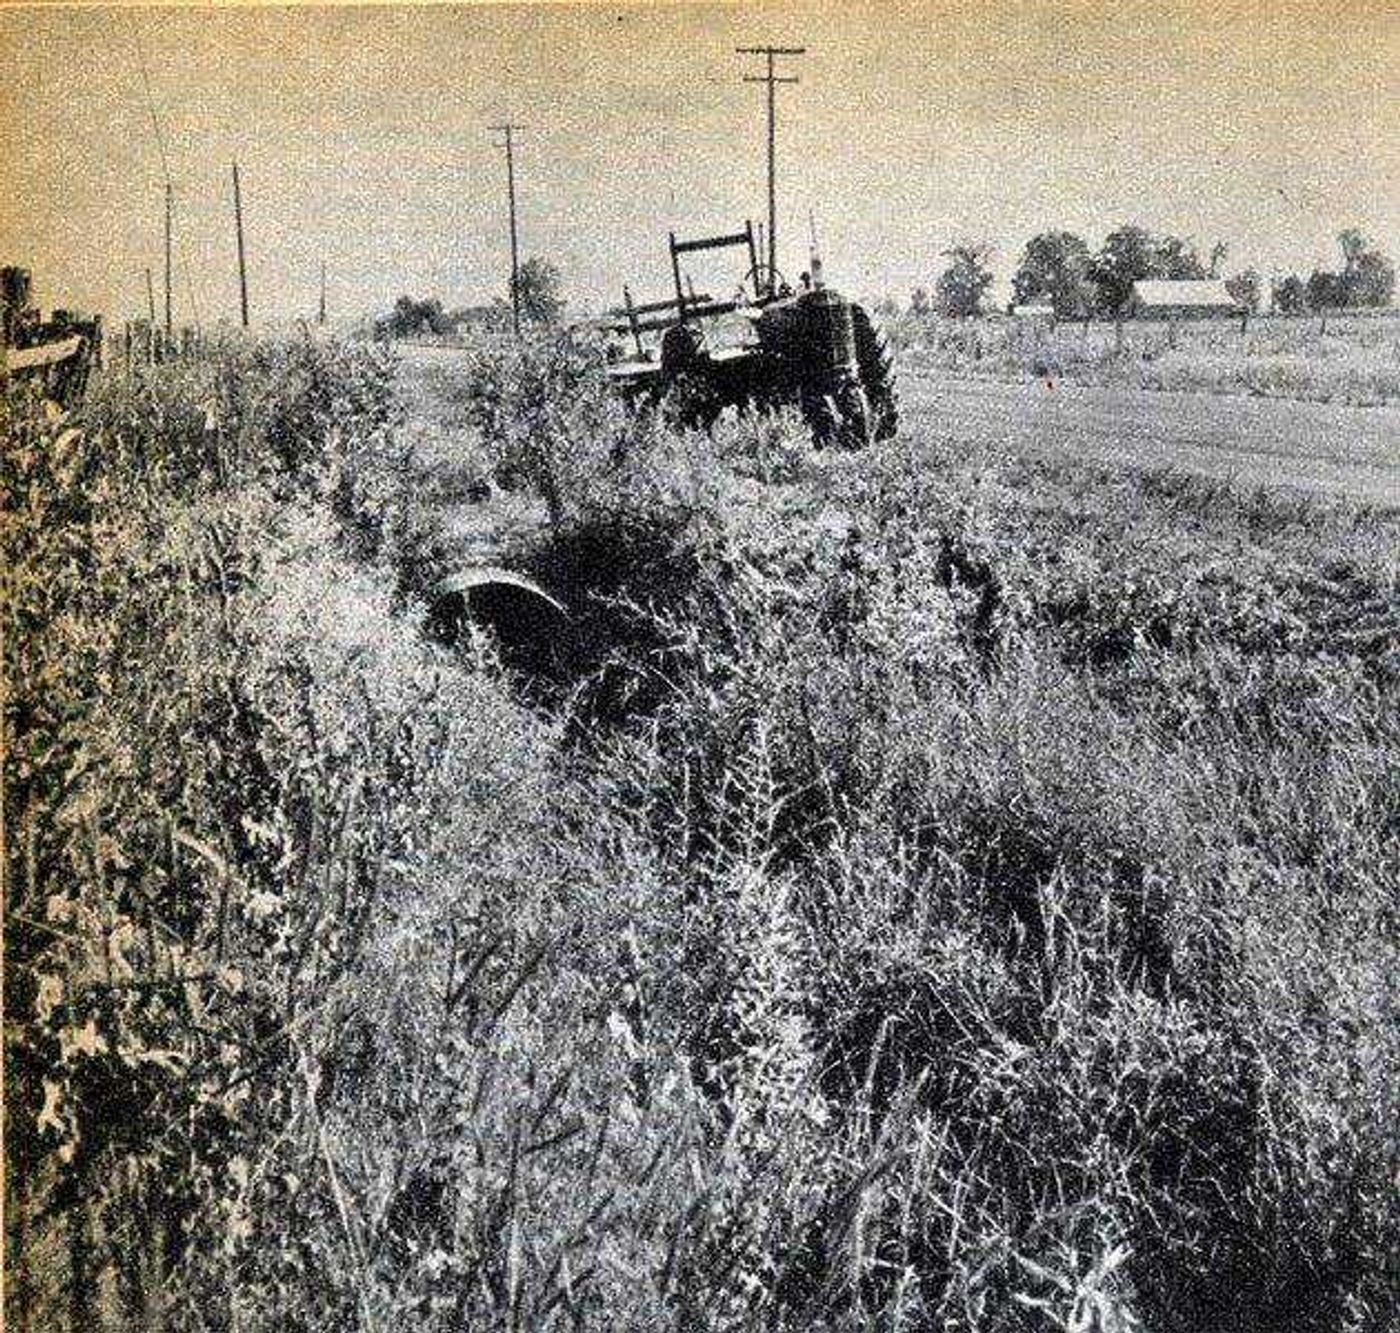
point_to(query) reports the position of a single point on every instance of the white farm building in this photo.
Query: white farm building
(1184, 298)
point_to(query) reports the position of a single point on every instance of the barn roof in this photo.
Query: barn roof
(1200, 292)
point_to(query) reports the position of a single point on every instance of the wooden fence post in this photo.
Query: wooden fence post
(80, 1268)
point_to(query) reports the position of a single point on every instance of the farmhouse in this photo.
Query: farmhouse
(1158, 298)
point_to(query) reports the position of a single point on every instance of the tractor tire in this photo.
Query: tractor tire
(876, 363)
(857, 421)
(820, 416)
(837, 415)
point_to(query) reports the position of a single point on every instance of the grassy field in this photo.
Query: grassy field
(931, 888)
(1326, 450)
(1351, 359)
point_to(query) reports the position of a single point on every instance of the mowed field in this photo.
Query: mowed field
(1323, 448)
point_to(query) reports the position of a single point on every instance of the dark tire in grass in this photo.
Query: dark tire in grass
(876, 363)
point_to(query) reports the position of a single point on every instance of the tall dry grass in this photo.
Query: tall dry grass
(952, 893)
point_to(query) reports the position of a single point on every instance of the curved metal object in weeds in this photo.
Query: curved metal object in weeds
(466, 581)
(532, 629)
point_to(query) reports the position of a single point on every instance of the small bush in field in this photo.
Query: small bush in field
(545, 416)
(771, 447)
(551, 422)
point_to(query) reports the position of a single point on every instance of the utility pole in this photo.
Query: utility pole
(321, 309)
(509, 145)
(150, 298)
(772, 79)
(169, 211)
(242, 263)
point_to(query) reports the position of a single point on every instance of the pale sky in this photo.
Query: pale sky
(361, 138)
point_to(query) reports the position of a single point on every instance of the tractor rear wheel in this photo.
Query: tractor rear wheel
(876, 363)
(837, 414)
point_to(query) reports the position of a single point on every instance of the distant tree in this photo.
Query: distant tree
(1354, 245)
(1246, 288)
(1326, 291)
(963, 284)
(919, 302)
(1368, 277)
(1176, 259)
(1291, 295)
(1372, 281)
(541, 292)
(1217, 257)
(1127, 256)
(1056, 265)
(434, 317)
(411, 318)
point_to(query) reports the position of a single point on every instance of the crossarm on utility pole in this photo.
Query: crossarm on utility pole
(772, 79)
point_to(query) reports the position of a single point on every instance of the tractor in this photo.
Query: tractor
(762, 348)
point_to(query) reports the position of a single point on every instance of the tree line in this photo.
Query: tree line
(1059, 269)
(537, 283)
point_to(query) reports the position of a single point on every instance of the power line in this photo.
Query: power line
(169, 182)
(508, 143)
(772, 79)
(150, 99)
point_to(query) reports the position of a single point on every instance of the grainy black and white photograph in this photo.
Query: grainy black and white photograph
(701, 668)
